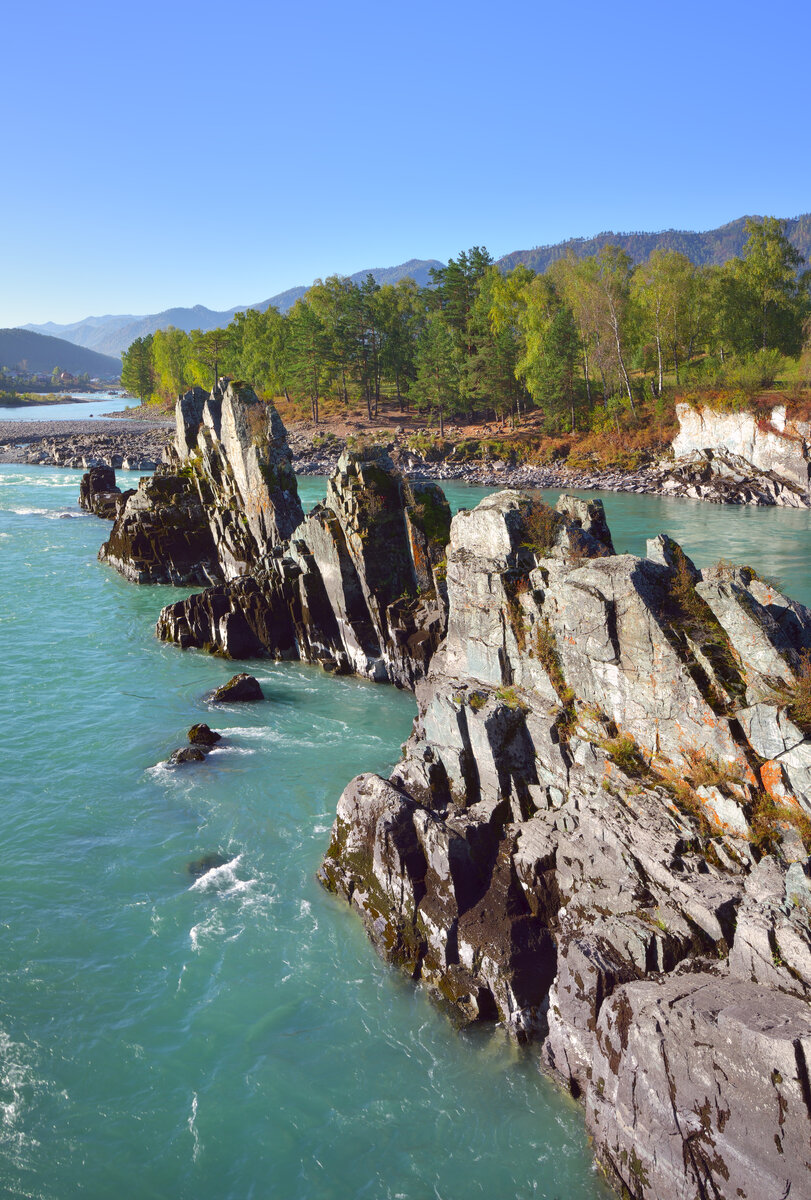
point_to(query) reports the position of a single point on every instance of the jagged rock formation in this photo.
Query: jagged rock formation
(99, 493)
(599, 834)
(358, 587)
(738, 458)
(224, 496)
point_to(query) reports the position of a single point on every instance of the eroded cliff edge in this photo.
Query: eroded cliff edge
(596, 836)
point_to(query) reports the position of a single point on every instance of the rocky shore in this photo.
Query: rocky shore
(599, 831)
(126, 444)
(702, 468)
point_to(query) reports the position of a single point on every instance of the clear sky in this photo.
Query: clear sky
(175, 153)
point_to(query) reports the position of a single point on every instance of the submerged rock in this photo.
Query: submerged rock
(207, 862)
(581, 842)
(240, 687)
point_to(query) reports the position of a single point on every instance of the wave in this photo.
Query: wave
(223, 879)
(51, 513)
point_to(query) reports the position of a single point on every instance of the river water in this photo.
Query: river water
(234, 1034)
(92, 404)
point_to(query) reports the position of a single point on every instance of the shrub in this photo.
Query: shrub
(541, 524)
(707, 771)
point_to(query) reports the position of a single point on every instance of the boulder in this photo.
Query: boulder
(98, 492)
(187, 754)
(242, 687)
(201, 735)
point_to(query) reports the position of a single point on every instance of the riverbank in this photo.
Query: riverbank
(131, 444)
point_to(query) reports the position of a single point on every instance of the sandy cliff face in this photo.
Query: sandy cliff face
(595, 836)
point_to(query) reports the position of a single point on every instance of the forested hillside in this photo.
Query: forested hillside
(715, 247)
(587, 342)
(38, 354)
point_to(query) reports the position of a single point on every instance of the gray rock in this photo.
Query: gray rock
(574, 843)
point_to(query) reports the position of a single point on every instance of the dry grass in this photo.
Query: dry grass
(706, 771)
(796, 697)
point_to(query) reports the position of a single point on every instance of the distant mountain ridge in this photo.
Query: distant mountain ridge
(40, 353)
(714, 247)
(112, 334)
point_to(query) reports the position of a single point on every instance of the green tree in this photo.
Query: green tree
(437, 384)
(310, 351)
(552, 352)
(778, 298)
(137, 373)
(614, 269)
(662, 290)
(210, 351)
(171, 350)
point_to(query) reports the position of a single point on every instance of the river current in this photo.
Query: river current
(233, 1034)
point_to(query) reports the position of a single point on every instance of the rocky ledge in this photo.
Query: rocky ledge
(598, 835)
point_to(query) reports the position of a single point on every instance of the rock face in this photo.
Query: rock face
(359, 586)
(224, 496)
(599, 835)
(99, 493)
(738, 458)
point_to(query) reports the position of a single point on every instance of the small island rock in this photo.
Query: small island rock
(201, 735)
(240, 687)
(187, 754)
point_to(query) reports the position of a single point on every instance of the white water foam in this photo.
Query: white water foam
(220, 879)
(52, 514)
(192, 1122)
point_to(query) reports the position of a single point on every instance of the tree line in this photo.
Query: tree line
(583, 340)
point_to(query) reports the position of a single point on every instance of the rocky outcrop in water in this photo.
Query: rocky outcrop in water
(359, 586)
(224, 496)
(99, 494)
(243, 687)
(599, 835)
(738, 458)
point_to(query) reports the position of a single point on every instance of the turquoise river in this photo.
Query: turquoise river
(234, 1035)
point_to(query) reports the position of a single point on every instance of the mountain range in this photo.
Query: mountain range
(24, 349)
(111, 335)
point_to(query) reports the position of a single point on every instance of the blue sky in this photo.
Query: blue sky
(180, 153)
